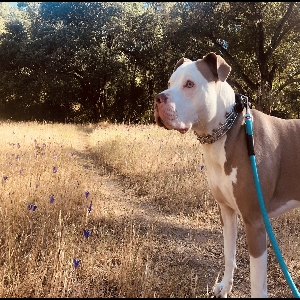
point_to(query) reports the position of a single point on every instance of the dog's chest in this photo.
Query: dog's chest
(221, 184)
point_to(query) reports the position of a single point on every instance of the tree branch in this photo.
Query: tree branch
(287, 83)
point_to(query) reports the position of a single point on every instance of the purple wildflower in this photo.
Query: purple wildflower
(52, 199)
(201, 168)
(76, 263)
(86, 194)
(32, 207)
(5, 177)
(86, 233)
(54, 169)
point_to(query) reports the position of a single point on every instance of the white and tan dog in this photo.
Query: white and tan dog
(199, 98)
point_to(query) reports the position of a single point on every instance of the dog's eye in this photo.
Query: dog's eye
(189, 84)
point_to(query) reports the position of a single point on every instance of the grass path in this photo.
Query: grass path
(198, 245)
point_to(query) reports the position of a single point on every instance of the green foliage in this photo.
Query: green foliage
(92, 61)
(260, 40)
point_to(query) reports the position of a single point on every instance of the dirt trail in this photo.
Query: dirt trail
(201, 246)
(123, 200)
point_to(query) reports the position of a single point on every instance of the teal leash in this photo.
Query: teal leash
(250, 146)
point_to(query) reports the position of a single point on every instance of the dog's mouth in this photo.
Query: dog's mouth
(183, 130)
(165, 124)
(160, 123)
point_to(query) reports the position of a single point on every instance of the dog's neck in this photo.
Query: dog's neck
(221, 130)
(224, 116)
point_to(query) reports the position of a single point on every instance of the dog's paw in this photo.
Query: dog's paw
(221, 290)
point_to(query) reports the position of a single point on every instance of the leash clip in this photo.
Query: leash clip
(246, 103)
(241, 102)
(248, 127)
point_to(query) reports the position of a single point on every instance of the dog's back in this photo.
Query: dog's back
(277, 152)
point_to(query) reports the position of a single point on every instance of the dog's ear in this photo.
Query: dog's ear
(217, 65)
(180, 62)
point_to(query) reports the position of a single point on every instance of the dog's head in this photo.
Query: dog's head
(192, 94)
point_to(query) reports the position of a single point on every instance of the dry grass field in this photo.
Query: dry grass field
(113, 210)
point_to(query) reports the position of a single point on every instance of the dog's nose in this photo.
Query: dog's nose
(160, 98)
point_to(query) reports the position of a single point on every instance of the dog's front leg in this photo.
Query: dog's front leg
(229, 223)
(257, 245)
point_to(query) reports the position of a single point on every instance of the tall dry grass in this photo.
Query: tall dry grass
(52, 167)
(129, 203)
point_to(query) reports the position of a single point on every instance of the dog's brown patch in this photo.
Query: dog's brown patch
(216, 67)
(205, 70)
